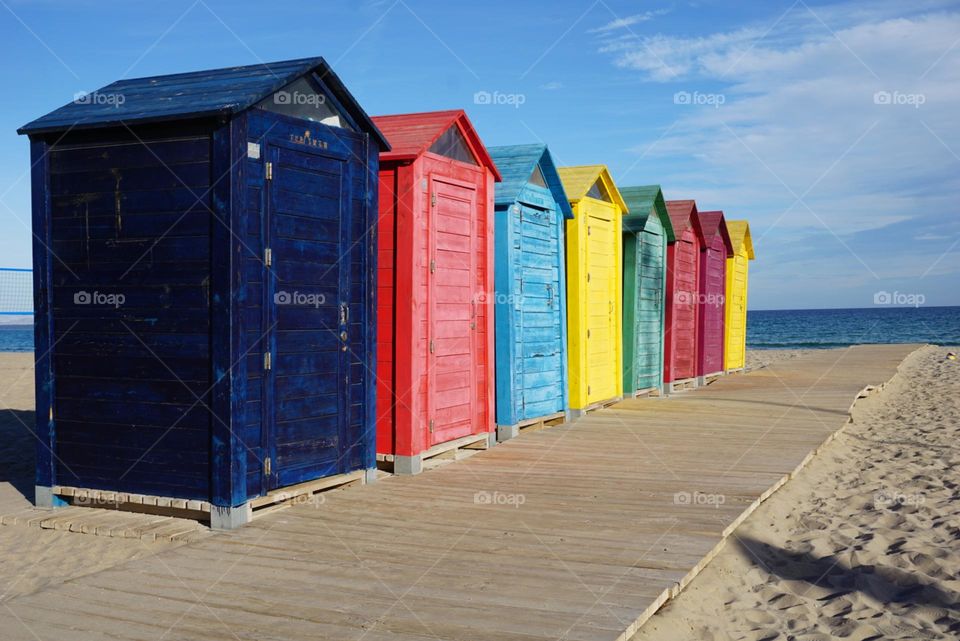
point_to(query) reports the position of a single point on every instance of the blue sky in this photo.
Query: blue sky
(831, 126)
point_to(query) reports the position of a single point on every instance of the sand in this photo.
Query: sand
(30, 558)
(757, 358)
(863, 544)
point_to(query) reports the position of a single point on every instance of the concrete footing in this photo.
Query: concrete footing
(370, 475)
(44, 497)
(507, 432)
(407, 464)
(230, 518)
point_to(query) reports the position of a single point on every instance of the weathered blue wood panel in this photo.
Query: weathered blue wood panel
(42, 316)
(530, 285)
(156, 311)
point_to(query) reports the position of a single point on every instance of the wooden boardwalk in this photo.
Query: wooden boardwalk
(575, 532)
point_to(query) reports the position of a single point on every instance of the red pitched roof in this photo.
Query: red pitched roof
(410, 135)
(713, 223)
(683, 214)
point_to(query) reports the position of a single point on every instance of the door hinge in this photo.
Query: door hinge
(588, 389)
(267, 257)
(266, 466)
(588, 277)
(433, 266)
(588, 333)
(431, 426)
(433, 199)
(432, 347)
(268, 168)
(267, 361)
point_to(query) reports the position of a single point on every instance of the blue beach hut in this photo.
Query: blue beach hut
(204, 276)
(530, 283)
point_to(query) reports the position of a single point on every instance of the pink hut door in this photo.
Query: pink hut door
(453, 306)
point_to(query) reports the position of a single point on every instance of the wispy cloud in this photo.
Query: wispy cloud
(821, 119)
(628, 21)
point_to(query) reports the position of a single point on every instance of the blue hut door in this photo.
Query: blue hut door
(307, 223)
(539, 313)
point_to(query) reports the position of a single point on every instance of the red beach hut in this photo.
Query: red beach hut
(435, 352)
(717, 247)
(683, 286)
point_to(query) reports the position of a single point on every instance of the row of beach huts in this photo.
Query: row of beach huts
(247, 289)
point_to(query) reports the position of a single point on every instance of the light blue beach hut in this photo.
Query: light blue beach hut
(529, 279)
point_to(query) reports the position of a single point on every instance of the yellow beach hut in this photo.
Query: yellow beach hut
(594, 282)
(735, 323)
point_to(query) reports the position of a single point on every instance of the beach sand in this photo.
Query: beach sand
(757, 358)
(31, 558)
(864, 543)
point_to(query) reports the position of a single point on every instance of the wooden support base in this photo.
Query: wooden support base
(309, 492)
(507, 432)
(453, 450)
(681, 385)
(577, 413)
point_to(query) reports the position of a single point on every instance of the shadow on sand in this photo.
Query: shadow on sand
(883, 583)
(18, 450)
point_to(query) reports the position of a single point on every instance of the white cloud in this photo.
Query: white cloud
(628, 21)
(800, 140)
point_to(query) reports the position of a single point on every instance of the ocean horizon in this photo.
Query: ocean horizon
(766, 329)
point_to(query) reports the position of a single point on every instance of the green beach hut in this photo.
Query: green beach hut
(646, 232)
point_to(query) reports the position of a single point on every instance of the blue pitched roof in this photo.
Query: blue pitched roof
(516, 163)
(215, 92)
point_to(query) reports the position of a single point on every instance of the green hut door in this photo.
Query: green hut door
(644, 258)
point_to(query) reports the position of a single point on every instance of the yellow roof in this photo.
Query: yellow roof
(739, 231)
(578, 180)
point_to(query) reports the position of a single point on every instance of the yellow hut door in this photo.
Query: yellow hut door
(736, 328)
(601, 307)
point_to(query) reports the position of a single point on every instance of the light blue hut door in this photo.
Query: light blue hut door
(539, 302)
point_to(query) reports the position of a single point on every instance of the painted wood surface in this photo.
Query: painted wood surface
(646, 231)
(599, 516)
(712, 296)
(735, 325)
(594, 286)
(530, 286)
(683, 290)
(435, 281)
(162, 310)
(211, 93)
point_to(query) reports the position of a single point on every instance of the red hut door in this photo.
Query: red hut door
(685, 309)
(452, 321)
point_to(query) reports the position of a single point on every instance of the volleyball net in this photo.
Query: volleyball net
(16, 291)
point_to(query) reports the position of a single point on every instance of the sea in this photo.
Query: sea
(823, 328)
(773, 329)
